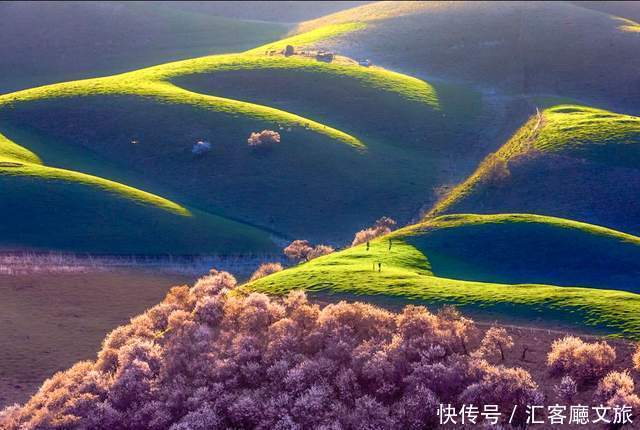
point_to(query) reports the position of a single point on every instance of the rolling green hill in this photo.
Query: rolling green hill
(522, 47)
(493, 263)
(357, 143)
(47, 208)
(571, 161)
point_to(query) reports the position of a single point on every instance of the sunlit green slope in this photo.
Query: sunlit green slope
(356, 142)
(496, 263)
(570, 161)
(521, 47)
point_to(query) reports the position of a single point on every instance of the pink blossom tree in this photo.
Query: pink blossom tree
(266, 269)
(566, 389)
(263, 138)
(302, 250)
(496, 341)
(585, 362)
(216, 357)
(381, 227)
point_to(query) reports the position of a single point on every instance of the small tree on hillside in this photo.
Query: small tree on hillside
(263, 138)
(458, 328)
(319, 251)
(496, 340)
(201, 147)
(385, 223)
(298, 250)
(381, 227)
(266, 269)
(566, 389)
(302, 250)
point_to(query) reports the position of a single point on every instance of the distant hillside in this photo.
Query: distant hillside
(494, 264)
(572, 161)
(276, 11)
(50, 42)
(356, 142)
(624, 9)
(523, 47)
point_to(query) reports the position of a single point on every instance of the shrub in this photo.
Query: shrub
(614, 383)
(456, 327)
(288, 51)
(506, 388)
(495, 168)
(298, 250)
(616, 389)
(495, 341)
(215, 357)
(201, 147)
(566, 389)
(266, 269)
(366, 235)
(381, 227)
(385, 223)
(302, 250)
(630, 400)
(263, 138)
(319, 251)
(585, 362)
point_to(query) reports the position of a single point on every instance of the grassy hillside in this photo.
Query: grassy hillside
(571, 161)
(625, 9)
(282, 11)
(357, 142)
(492, 263)
(524, 47)
(47, 208)
(59, 41)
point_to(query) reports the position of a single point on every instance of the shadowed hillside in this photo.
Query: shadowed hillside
(109, 37)
(624, 9)
(276, 11)
(356, 142)
(571, 161)
(489, 264)
(523, 47)
(47, 208)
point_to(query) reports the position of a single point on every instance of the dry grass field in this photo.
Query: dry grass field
(50, 321)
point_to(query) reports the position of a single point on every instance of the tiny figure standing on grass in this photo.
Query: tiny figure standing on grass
(379, 267)
(390, 244)
(367, 245)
